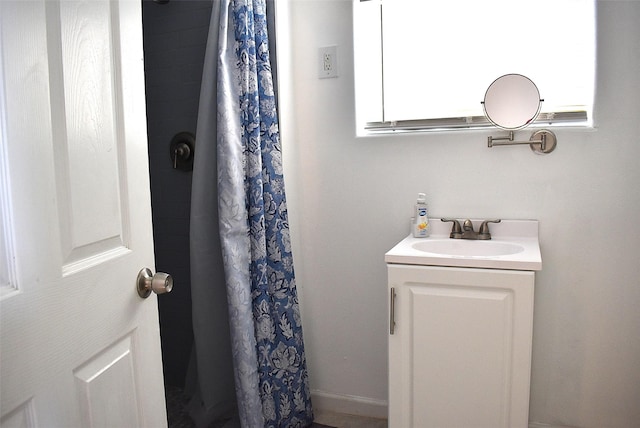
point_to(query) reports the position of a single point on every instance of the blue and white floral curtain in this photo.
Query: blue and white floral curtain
(264, 320)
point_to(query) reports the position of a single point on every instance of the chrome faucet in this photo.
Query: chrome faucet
(469, 233)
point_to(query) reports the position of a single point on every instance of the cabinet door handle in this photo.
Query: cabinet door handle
(392, 317)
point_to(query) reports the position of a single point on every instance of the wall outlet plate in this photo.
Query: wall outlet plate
(328, 62)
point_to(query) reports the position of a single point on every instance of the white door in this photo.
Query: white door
(79, 347)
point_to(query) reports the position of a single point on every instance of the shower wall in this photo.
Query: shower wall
(175, 36)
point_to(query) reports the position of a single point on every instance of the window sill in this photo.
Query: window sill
(566, 120)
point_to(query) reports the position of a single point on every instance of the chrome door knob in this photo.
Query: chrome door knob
(159, 283)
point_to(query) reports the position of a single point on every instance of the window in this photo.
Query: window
(426, 64)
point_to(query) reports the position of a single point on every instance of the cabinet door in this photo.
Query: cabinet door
(460, 353)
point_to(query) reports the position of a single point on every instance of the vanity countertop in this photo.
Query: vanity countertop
(514, 245)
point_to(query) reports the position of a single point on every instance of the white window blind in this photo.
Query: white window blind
(437, 58)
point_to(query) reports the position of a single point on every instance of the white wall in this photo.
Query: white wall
(350, 200)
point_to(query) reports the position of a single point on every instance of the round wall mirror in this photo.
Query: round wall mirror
(512, 101)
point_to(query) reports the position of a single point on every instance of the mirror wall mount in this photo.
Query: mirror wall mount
(513, 102)
(541, 142)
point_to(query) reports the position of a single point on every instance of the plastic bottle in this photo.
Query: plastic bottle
(420, 225)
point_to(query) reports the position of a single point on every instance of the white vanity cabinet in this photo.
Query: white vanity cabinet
(459, 346)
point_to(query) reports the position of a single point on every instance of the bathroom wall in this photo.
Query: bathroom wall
(175, 36)
(350, 200)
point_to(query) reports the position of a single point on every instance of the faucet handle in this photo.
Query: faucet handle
(483, 232)
(456, 230)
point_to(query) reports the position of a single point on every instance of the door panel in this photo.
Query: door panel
(86, 145)
(78, 346)
(110, 370)
(22, 417)
(471, 329)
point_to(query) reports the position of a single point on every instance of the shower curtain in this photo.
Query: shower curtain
(239, 217)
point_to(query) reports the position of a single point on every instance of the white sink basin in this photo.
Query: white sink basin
(467, 248)
(514, 245)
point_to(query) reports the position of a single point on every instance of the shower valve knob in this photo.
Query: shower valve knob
(182, 151)
(159, 283)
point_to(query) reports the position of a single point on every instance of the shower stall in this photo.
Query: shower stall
(175, 37)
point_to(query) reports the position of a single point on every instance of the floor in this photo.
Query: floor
(179, 418)
(341, 420)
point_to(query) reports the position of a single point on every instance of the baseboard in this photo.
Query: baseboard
(349, 404)
(543, 425)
